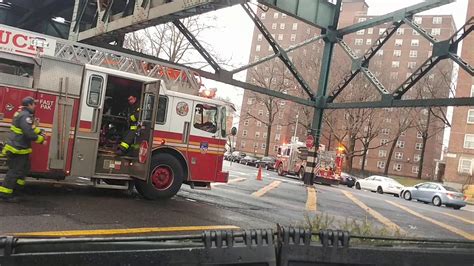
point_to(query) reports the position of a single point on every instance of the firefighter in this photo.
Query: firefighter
(132, 112)
(18, 148)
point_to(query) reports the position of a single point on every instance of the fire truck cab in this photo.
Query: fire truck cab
(181, 137)
(291, 159)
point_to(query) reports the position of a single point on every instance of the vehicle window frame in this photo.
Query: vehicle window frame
(101, 88)
(223, 126)
(424, 186)
(144, 110)
(216, 117)
(165, 110)
(433, 186)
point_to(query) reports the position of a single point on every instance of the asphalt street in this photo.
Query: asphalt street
(60, 209)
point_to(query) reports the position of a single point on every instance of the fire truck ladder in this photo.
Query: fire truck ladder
(173, 76)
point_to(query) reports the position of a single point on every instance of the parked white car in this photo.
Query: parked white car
(380, 184)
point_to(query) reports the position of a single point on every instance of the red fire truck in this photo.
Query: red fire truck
(82, 92)
(291, 159)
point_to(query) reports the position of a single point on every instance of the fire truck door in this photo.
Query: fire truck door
(88, 131)
(149, 105)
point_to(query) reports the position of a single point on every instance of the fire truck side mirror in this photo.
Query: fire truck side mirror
(233, 131)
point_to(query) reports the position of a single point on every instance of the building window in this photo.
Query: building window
(385, 131)
(400, 144)
(413, 53)
(368, 41)
(242, 144)
(395, 64)
(383, 141)
(436, 31)
(397, 167)
(257, 134)
(465, 166)
(415, 32)
(380, 164)
(259, 124)
(255, 145)
(415, 42)
(380, 52)
(283, 15)
(295, 26)
(282, 26)
(274, 26)
(279, 127)
(393, 75)
(470, 116)
(246, 122)
(419, 134)
(382, 153)
(418, 20)
(403, 134)
(370, 31)
(411, 65)
(360, 32)
(256, 57)
(263, 15)
(275, 147)
(400, 31)
(260, 112)
(399, 155)
(360, 162)
(472, 90)
(277, 137)
(264, 145)
(397, 53)
(275, 15)
(415, 169)
(418, 146)
(381, 31)
(259, 37)
(362, 19)
(469, 141)
(250, 101)
(280, 37)
(293, 37)
(387, 120)
(359, 41)
(270, 48)
(245, 133)
(264, 135)
(398, 42)
(416, 158)
(437, 20)
(257, 48)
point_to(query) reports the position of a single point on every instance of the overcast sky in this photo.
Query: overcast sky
(233, 35)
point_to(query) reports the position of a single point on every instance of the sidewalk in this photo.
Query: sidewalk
(468, 207)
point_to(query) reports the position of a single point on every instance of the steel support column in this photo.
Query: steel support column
(321, 97)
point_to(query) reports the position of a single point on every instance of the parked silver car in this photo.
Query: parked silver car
(438, 194)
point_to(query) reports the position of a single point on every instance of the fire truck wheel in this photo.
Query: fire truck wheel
(165, 180)
(280, 170)
(301, 173)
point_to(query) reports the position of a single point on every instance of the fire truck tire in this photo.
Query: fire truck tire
(166, 178)
(280, 170)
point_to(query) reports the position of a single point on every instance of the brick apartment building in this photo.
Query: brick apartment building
(251, 136)
(460, 155)
(404, 52)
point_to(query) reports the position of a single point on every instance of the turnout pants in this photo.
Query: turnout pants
(18, 169)
(127, 141)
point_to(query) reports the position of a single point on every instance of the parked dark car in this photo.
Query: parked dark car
(266, 162)
(237, 156)
(348, 180)
(227, 156)
(248, 160)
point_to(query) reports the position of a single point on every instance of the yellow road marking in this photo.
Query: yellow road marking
(234, 180)
(312, 200)
(445, 226)
(458, 217)
(75, 233)
(384, 220)
(265, 189)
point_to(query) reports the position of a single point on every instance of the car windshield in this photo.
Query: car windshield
(213, 119)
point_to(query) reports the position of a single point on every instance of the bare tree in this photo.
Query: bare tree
(272, 76)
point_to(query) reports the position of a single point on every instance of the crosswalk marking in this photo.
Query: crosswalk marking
(384, 220)
(445, 226)
(312, 200)
(233, 180)
(266, 189)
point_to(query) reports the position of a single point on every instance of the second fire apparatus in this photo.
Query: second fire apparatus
(82, 91)
(291, 159)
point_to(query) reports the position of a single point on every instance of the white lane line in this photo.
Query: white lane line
(233, 180)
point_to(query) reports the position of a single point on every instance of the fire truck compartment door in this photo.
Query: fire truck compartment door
(149, 105)
(88, 131)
